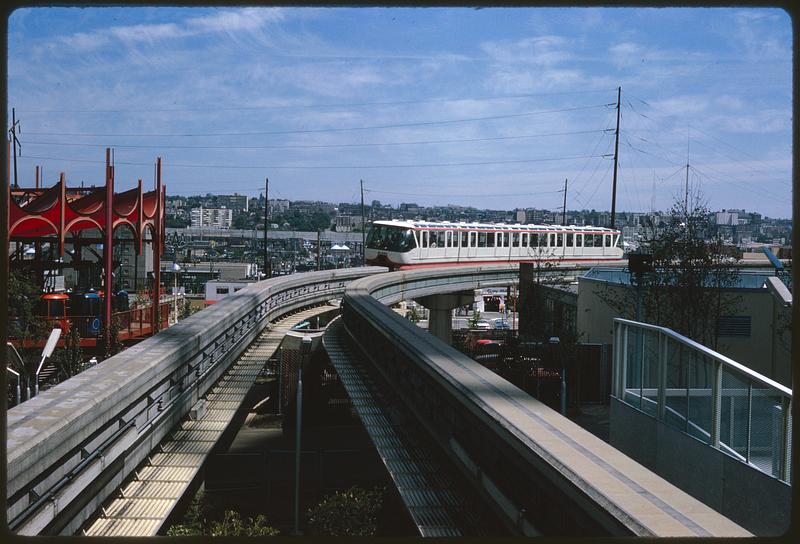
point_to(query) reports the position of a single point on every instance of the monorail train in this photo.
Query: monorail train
(402, 245)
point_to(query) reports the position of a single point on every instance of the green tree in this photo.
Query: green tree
(113, 345)
(24, 325)
(69, 360)
(232, 524)
(474, 319)
(196, 523)
(689, 288)
(353, 512)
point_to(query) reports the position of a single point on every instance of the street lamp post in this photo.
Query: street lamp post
(305, 350)
(555, 341)
(15, 373)
(46, 352)
(175, 269)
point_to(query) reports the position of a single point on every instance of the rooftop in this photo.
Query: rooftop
(746, 279)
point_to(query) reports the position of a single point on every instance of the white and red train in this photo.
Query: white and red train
(413, 244)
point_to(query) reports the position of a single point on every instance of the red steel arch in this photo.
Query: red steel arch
(37, 214)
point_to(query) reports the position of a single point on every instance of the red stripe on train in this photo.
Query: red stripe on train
(479, 263)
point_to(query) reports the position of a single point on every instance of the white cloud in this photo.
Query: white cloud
(541, 50)
(225, 21)
(246, 19)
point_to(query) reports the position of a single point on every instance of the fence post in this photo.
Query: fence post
(749, 419)
(786, 437)
(662, 375)
(622, 355)
(716, 403)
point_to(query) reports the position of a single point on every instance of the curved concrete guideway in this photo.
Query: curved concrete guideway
(535, 466)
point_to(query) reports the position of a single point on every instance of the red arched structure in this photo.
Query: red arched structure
(38, 215)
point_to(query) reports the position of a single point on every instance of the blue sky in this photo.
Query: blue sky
(490, 108)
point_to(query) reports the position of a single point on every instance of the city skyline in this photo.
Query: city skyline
(490, 108)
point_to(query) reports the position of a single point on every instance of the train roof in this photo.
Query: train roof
(498, 226)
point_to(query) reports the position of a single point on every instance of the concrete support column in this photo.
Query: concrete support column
(440, 320)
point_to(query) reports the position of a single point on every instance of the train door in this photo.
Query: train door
(424, 245)
(472, 245)
(450, 249)
(500, 249)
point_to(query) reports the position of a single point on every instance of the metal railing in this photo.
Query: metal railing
(705, 394)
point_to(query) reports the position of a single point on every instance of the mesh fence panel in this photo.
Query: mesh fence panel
(650, 372)
(766, 429)
(734, 413)
(677, 364)
(633, 368)
(701, 377)
(754, 419)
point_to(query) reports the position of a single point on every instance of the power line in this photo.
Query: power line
(482, 195)
(317, 146)
(312, 106)
(320, 167)
(319, 130)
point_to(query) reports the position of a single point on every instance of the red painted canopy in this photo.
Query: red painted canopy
(59, 211)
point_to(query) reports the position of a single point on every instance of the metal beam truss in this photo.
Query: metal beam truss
(72, 446)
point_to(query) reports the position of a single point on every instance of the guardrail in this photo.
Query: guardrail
(707, 395)
(72, 445)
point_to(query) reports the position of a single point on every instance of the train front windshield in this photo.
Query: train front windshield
(390, 238)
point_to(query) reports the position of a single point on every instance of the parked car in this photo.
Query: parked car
(501, 323)
(483, 325)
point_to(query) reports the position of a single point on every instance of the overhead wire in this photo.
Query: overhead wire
(320, 167)
(312, 106)
(316, 146)
(322, 130)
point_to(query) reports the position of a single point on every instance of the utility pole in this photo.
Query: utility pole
(319, 250)
(686, 190)
(15, 142)
(363, 225)
(564, 215)
(267, 267)
(616, 154)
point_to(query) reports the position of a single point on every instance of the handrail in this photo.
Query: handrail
(710, 353)
(639, 374)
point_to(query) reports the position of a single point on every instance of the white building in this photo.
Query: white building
(221, 218)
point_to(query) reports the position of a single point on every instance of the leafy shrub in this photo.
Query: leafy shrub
(353, 512)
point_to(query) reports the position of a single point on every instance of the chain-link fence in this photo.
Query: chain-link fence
(705, 394)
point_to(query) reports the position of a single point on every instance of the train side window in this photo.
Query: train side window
(588, 240)
(515, 239)
(559, 240)
(534, 239)
(579, 240)
(598, 240)
(483, 239)
(436, 239)
(524, 238)
(423, 238)
(448, 238)
(606, 240)
(506, 239)
(570, 240)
